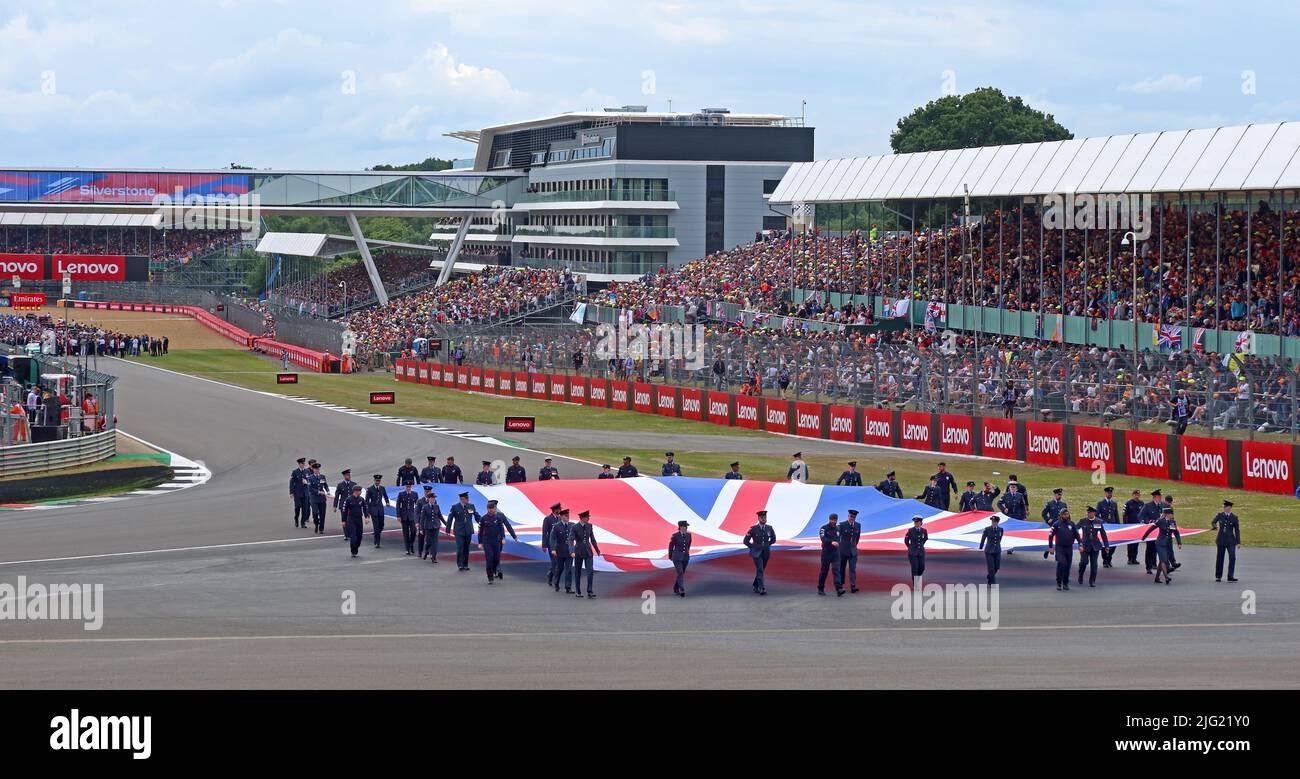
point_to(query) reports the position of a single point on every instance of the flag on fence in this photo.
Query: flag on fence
(1198, 339)
(579, 314)
(897, 309)
(935, 314)
(1170, 336)
(1058, 328)
(1245, 343)
(1038, 325)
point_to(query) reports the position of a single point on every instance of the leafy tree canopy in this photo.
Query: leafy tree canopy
(985, 117)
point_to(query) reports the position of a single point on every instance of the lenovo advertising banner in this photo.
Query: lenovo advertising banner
(521, 385)
(692, 404)
(537, 386)
(490, 381)
(808, 419)
(82, 267)
(559, 384)
(578, 390)
(1094, 445)
(1147, 454)
(956, 434)
(776, 415)
(665, 400)
(843, 423)
(449, 376)
(620, 395)
(1266, 466)
(718, 408)
(998, 438)
(877, 426)
(476, 379)
(1045, 443)
(916, 430)
(1203, 460)
(643, 398)
(746, 411)
(597, 392)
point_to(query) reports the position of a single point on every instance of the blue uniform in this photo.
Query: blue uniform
(354, 519)
(318, 489)
(890, 487)
(915, 539)
(1062, 536)
(461, 524)
(431, 521)
(1227, 538)
(984, 499)
(759, 541)
(561, 545)
(298, 490)
(679, 551)
(947, 486)
(850, 534)
(492, 529)
(1092, 541)
(406, 506)
(583, 538)
(849, 479)
(991, 543)
(376, 499)
(830, 537)
(1013, 504)
(1133, 516)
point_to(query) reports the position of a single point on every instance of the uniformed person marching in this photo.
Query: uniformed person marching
(830, 538)
(947, 484)
(516, 474)
(1052, 509)
(343, 491)
(851, 477)
(1060, 542)
(679, 551)
(967, 501)
(985, 498)
(354, 518)
(932, 496)
(1092, 541)
(1108, 514)
(431, 524)
(798, 470)
(583, 539)
(547, 471)
(407, 503)
(914, 540)
(759, 541)
(319, 489)
(1149, 516)
(1167, 533)
(484, 477)
(299, 493)
(492, 529)
(890, 486)
(627, 470)
(850, 534)
(431, 473)
(1133, 516)
(670, 467)
(461, 521)
(606, 473)
(407, 474)
(561, 548)
(376, 499)
(548, 522)
(451, 473)
(991, 544)
(734, 472)
(1012, 503)
(1228, 540)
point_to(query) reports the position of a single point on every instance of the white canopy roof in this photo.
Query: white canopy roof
(1249, 157)
(71, 219)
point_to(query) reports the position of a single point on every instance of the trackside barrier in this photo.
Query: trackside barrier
(202, 316)
(65, 453)
(303, 358)
(1262, 466)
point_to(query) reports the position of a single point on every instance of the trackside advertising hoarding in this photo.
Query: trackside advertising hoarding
(1216, 462)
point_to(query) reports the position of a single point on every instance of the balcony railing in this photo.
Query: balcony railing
(594, 195)
(595, 232)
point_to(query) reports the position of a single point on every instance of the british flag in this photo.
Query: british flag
(634, 518)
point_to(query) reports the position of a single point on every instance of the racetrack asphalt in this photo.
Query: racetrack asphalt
(213, 587)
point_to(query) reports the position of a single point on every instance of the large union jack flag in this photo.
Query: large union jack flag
(634, 518)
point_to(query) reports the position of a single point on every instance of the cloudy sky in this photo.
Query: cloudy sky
(340, 85)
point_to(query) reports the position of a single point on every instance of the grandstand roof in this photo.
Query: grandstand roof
(325, 245)
(1246, 157)
(69, 219)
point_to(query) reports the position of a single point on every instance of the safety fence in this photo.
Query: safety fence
(51, 455)
(1265, 466)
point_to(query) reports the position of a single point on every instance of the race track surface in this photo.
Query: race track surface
(214, 587)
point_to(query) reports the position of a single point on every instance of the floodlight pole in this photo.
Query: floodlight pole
(1130, 239)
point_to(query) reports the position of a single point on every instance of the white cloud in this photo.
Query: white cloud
(1169, 82)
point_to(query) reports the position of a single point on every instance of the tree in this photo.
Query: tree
(427, 164)
(984, 117)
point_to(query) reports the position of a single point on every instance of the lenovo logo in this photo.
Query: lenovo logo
(1267, 468)
(809, 422)
(1092, 450)
(913, 432)
(1146, 455)
(718, 408)
(1044, 444)
(1203, 462)
(691, 405)
(749, 413)
(998, 439)
(667, 401)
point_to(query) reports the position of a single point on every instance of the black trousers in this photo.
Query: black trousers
(377, 524)
(830, 564)
(578, 563)
(550, 563)
(1150, 556)
(462, 551)
(318, 515)
(680, 566)
(849, 562)
(427, 544)
(993, 561)
(408, 534)
(562, 565)
(1231, 550)
(1086, 558)
(917, 561)
(301, 510)
(492, 557)
(760, 565)
(1064, 558)
(354, 530)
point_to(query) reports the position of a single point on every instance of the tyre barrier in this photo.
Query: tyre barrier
(1261, 466)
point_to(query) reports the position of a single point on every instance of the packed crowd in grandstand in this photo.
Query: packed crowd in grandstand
(158, 245)
(490, 295)
(1010, 272)
(77, 338)
(349, 286)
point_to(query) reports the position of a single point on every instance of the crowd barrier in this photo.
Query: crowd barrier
(304, 358)
(1263, 466)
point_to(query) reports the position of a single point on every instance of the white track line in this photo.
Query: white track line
(314, 537)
